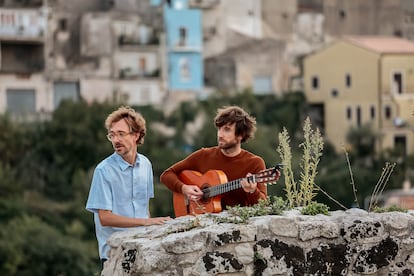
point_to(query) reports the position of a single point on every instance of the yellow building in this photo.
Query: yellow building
(360, 80)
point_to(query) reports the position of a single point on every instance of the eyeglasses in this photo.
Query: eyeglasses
(121, 135)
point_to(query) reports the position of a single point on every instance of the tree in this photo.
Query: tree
(30, 247)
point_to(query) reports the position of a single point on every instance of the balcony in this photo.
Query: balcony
(21, 58)
(130, 73)
(203, 4)
(129, 40)
(23, 25)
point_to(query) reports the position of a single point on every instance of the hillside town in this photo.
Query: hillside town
(353, 59)
(307, 78)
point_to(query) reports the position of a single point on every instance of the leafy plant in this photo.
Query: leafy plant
(272, 206)
(285, 153)
(312, 151)
(315, 208)
(392, 208)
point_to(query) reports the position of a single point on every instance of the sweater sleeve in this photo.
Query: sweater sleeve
(261, 191)
(170, 176)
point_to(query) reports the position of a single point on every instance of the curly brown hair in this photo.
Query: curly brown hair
(134, 120)
(245, 123)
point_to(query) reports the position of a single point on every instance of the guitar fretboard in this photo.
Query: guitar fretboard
(226, 187)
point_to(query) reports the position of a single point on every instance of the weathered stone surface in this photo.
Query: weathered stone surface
(352, 242)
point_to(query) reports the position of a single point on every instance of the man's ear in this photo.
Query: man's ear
(137, 135)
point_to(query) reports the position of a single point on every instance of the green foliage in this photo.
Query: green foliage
(73, 138)
(392, 208)
(315, 208)
(14, 142)
(9, 185)
(11, 207)
(31, 247)
(46, 169)
(362, 139)
(162, 202)
(271, 206)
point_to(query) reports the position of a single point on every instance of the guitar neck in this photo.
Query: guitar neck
(225, 187)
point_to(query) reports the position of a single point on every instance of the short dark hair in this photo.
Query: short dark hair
(245, 124)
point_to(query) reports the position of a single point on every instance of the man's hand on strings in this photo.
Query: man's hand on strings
(248, 184)
(192, 192)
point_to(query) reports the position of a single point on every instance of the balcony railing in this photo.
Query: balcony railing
(130, 40)
(129, 73)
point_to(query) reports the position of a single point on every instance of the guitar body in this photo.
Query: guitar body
(214, 184)
(184, 206)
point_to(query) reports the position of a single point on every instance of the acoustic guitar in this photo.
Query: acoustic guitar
(214, 184)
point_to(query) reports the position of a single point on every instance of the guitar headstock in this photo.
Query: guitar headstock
(269, 176)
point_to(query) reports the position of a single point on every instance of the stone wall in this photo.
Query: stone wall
(352, 242)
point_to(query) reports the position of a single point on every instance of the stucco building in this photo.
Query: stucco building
(95, 50)
(360, 80)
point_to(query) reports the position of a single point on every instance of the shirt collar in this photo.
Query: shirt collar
(124, 164)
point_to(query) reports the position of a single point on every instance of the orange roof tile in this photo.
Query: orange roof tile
(383, 44)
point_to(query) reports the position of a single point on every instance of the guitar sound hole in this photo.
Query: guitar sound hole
(206, 193)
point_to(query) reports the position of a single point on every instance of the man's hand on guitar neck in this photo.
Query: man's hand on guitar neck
(192, 192)
(248, 184)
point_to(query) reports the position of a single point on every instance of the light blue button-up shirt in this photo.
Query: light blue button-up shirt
(121, 188)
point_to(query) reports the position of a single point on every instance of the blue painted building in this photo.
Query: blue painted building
(184, 45)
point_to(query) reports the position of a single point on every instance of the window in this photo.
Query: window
(334, 93)
(184, 69)
(21, 101)
(348, 80)
(142, 66)
(262, 85)
(349, 113)
(145, 95)
(182, 36)
(400, 144)
(65, 91)
(63, 24)
(387, 112)
(315, 82)
(358, 116)
(397, 83)
(372, 112)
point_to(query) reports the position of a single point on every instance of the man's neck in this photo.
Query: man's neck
(231, 152)
(130, 158)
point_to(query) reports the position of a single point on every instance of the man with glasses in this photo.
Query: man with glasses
(122, 183)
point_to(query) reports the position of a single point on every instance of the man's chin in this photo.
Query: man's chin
(225, 146)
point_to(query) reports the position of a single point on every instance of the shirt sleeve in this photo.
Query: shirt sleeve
(100, 194)
(150, 182)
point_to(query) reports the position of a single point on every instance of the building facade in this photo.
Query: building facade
(364, 80)
(94, 50)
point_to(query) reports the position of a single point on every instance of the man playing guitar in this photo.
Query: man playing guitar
(229, 162)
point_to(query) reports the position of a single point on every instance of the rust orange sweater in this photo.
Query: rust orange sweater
(212, 158)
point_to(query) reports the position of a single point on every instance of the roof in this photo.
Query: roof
(383, 44)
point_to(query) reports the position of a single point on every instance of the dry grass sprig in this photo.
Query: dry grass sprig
(285, 153)
(379, 187)
(312, 151)
(354, 190)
